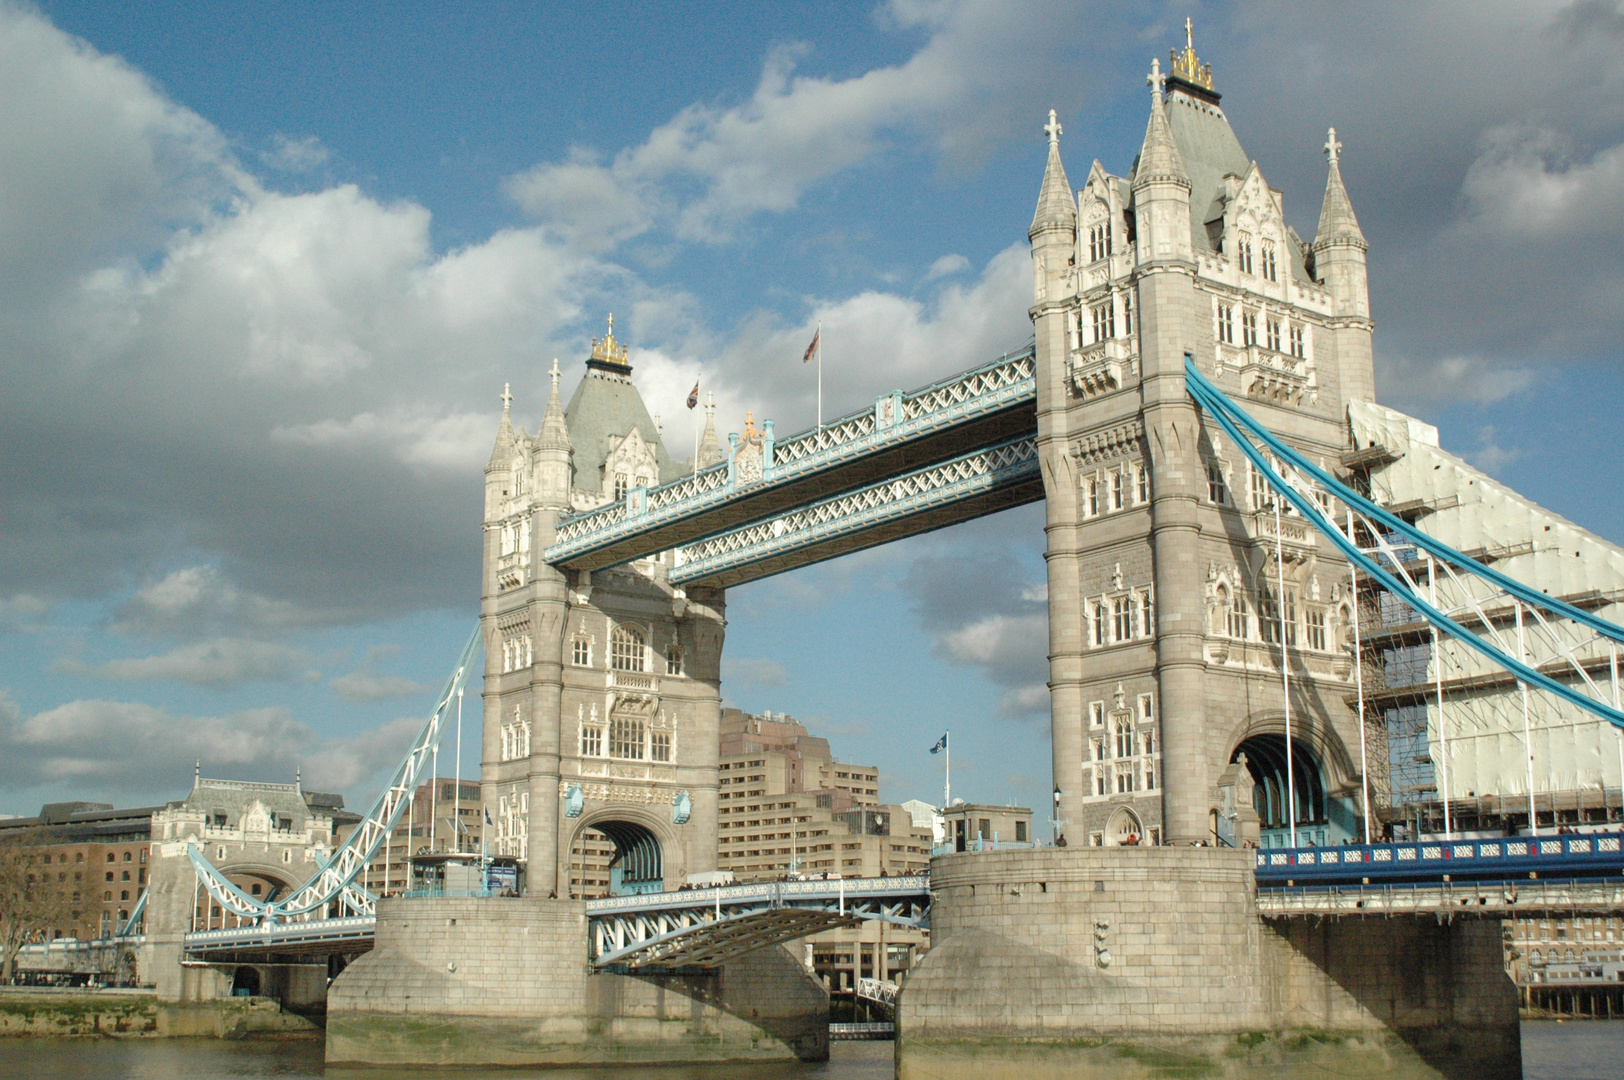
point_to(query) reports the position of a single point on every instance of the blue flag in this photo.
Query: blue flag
(941, 744)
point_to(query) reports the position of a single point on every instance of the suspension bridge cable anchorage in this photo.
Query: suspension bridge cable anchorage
(1233, 419)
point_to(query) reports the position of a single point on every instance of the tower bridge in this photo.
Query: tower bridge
(1251, 565)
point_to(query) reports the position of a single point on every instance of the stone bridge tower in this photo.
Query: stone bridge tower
(1172, 602)
(602, 691)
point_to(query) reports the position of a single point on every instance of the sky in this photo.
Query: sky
(265, 269)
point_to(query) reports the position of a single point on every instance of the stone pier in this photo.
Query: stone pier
(1152, 961)
(506, 982)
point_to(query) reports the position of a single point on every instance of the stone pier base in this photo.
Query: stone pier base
(506, 982)
(1139, 962)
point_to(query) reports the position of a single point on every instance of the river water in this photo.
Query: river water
(1582, 1050)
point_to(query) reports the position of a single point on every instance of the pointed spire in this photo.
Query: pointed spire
(1056, 203)
(710, 447)
(1159, 156)
(554, 433)
(503, 449)
(1336, 222)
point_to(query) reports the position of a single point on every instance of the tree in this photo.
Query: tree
(31, 903)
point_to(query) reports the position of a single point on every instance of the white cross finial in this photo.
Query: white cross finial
(1155, 79)
(507, 396)
(554, 374)
(1053, 129)
(1332, 147)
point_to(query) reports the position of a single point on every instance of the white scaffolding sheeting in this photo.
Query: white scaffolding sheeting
(1483, 716)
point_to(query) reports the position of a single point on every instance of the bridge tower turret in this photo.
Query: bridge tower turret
(1165, 285)
(1339, 261)
(1054, 256)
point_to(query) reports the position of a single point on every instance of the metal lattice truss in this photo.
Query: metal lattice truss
(977, 483)
(883, 991)
(900, 431)
(707, 927)
(335, 882)
(351, 933)
(1498, 650)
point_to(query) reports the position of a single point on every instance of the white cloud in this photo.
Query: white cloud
(753, 672)
(1490, 456)
(218, 663)
(456, 443)
(1526, 183)
(366, 686)
(947, 264)
(115, 748)
(711, 167)
(198, 601)
(1410, 383)
(290, 154)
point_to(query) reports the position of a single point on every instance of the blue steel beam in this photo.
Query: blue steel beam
(1243, 429)
(900, 433)
(973, 485)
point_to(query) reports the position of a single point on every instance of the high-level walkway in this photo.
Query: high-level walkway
(911, 462)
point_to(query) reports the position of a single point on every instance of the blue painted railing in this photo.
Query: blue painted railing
(1568, 854)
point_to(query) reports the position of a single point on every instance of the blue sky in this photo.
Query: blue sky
(264, 270)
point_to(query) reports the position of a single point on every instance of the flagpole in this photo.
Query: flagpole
(947, 760)
(820, 374)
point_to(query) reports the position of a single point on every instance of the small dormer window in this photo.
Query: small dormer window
(1269, 270)
(621, 481)
(673, 660)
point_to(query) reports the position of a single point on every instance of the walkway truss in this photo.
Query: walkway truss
(334, 890)
(955, 450)
(1500, 644)
(706, 927)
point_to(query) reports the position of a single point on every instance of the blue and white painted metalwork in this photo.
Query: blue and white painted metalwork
(705, 927)
(741, 489)
(1542, 641)
(1570, 855)
(351, 933)
(336, 880)
(840, 525)
(1446, 899)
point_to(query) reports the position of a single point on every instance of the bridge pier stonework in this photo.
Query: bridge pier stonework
(1153, 961)
(501, 981)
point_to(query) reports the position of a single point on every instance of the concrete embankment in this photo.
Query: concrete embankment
(44, 1012)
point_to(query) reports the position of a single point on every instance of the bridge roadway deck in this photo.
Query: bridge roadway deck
(1494, 878)
(900, 433)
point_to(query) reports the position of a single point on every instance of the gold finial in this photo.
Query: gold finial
(607, 350)
(1186, 65)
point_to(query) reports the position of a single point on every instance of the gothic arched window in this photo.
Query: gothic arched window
(620, 486)
(626, 738)
(626, 649)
